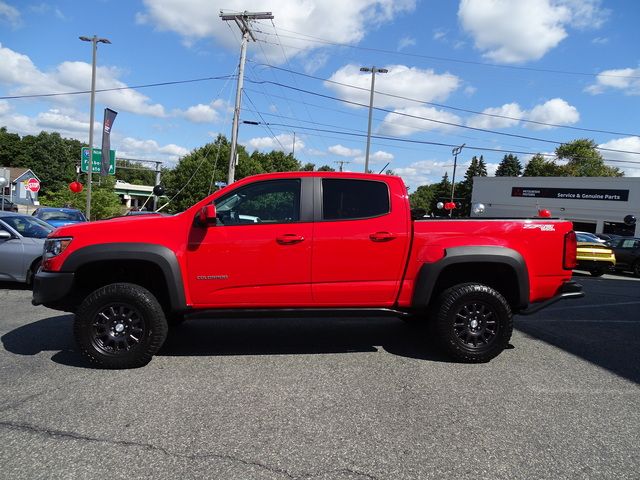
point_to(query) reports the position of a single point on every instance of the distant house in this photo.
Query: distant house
(18, 193)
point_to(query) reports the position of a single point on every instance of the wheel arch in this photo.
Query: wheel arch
(97, 265)
(501, 268)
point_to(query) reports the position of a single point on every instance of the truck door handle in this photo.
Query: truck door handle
(289, 239)
(382, 237)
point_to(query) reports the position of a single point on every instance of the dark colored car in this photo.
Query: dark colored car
(627, 252)
(8, 206)
(59, 217)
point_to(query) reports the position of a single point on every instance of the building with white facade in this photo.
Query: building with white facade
(593, 204)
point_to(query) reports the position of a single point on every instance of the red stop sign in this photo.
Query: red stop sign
(33, 184)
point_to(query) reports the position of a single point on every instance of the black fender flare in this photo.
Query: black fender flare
(430, 272)
(159, 255)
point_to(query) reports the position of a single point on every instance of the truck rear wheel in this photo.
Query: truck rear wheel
(473, 322)
(121, 325)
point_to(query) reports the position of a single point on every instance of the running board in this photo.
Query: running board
(295, 312)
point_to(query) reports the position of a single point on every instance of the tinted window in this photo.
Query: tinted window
(28, 226)
(349, 199)
(276, 201)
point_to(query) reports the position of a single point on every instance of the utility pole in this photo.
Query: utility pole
(373, 71)
(341, 163)
(455, 153)
(242, 20)
(293, 147)
(94, 41)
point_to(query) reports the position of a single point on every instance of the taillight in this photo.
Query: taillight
(569, 259)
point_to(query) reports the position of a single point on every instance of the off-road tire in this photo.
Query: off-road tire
(120, 325)
(473, 322)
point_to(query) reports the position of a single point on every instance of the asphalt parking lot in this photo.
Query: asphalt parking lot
(328, 399)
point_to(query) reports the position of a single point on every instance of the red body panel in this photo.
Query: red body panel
(370, 262)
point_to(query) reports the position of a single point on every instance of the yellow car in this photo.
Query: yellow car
(594, 257)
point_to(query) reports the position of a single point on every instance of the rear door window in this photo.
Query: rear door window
(345, 199)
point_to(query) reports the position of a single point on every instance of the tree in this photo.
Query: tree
(584, 160)
(477, 168)
(105, 203)
(538, 166)
(326, 168)
(422, 197)
(441, 193)
(509, 167)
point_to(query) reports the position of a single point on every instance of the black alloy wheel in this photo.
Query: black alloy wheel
(473, 322)
(120, 325)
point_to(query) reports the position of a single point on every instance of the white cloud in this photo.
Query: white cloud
(439, 34)
(4, 107)
(19, 72)
(488, 122)
(376, 157)
(129, 147)
(344, 151)
(419, 118)
(45, 9)
(405, 42)
(205, 113)
(555, 111)
(344, 21)
(424, 172)
(402, 81)
(10, 15)
(283, 140)
(626, 80)
(518, 31)
(628, 144)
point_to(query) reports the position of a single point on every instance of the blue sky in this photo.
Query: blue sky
(485, 73)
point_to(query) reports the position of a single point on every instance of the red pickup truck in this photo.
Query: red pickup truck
(307, 243)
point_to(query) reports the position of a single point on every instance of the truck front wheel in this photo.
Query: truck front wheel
(120, 325)
(473, 322)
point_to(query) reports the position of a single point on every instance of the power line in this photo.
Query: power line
(132, 87)
(431, 57)
(485, 130)
(440, 144)
(440, 105)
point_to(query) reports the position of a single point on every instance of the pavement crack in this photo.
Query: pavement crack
(66, 435)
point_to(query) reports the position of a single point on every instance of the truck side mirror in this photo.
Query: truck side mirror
(4, 235)
(207, 215)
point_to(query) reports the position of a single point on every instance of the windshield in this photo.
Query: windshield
(62, 215)
(29, 227)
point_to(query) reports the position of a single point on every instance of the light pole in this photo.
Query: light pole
(455, 153)
(94, 41)
(373, 71)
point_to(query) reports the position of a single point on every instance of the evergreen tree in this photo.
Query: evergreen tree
(509, 167)
(441, 193)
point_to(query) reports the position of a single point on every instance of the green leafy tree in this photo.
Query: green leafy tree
(509, 167)
(105, 203)
(584, 160)
(326, 168)
(422, 197)
(308, 167)
(538, 166)
(135, 173)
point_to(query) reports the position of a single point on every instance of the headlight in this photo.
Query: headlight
(55, 246)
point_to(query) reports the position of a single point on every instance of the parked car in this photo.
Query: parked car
(627, 252)
(594, 257)
(607, 237)
(59, 217)
(21, 246)
(590, 237)
(8, 206)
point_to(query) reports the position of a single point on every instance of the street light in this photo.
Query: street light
(94, 41)
(373, 71)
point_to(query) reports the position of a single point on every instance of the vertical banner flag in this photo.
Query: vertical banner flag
(109, 118)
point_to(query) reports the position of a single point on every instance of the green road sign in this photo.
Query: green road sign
(97, 160)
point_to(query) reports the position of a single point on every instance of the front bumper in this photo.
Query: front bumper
(53, 289)
(569, 289)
